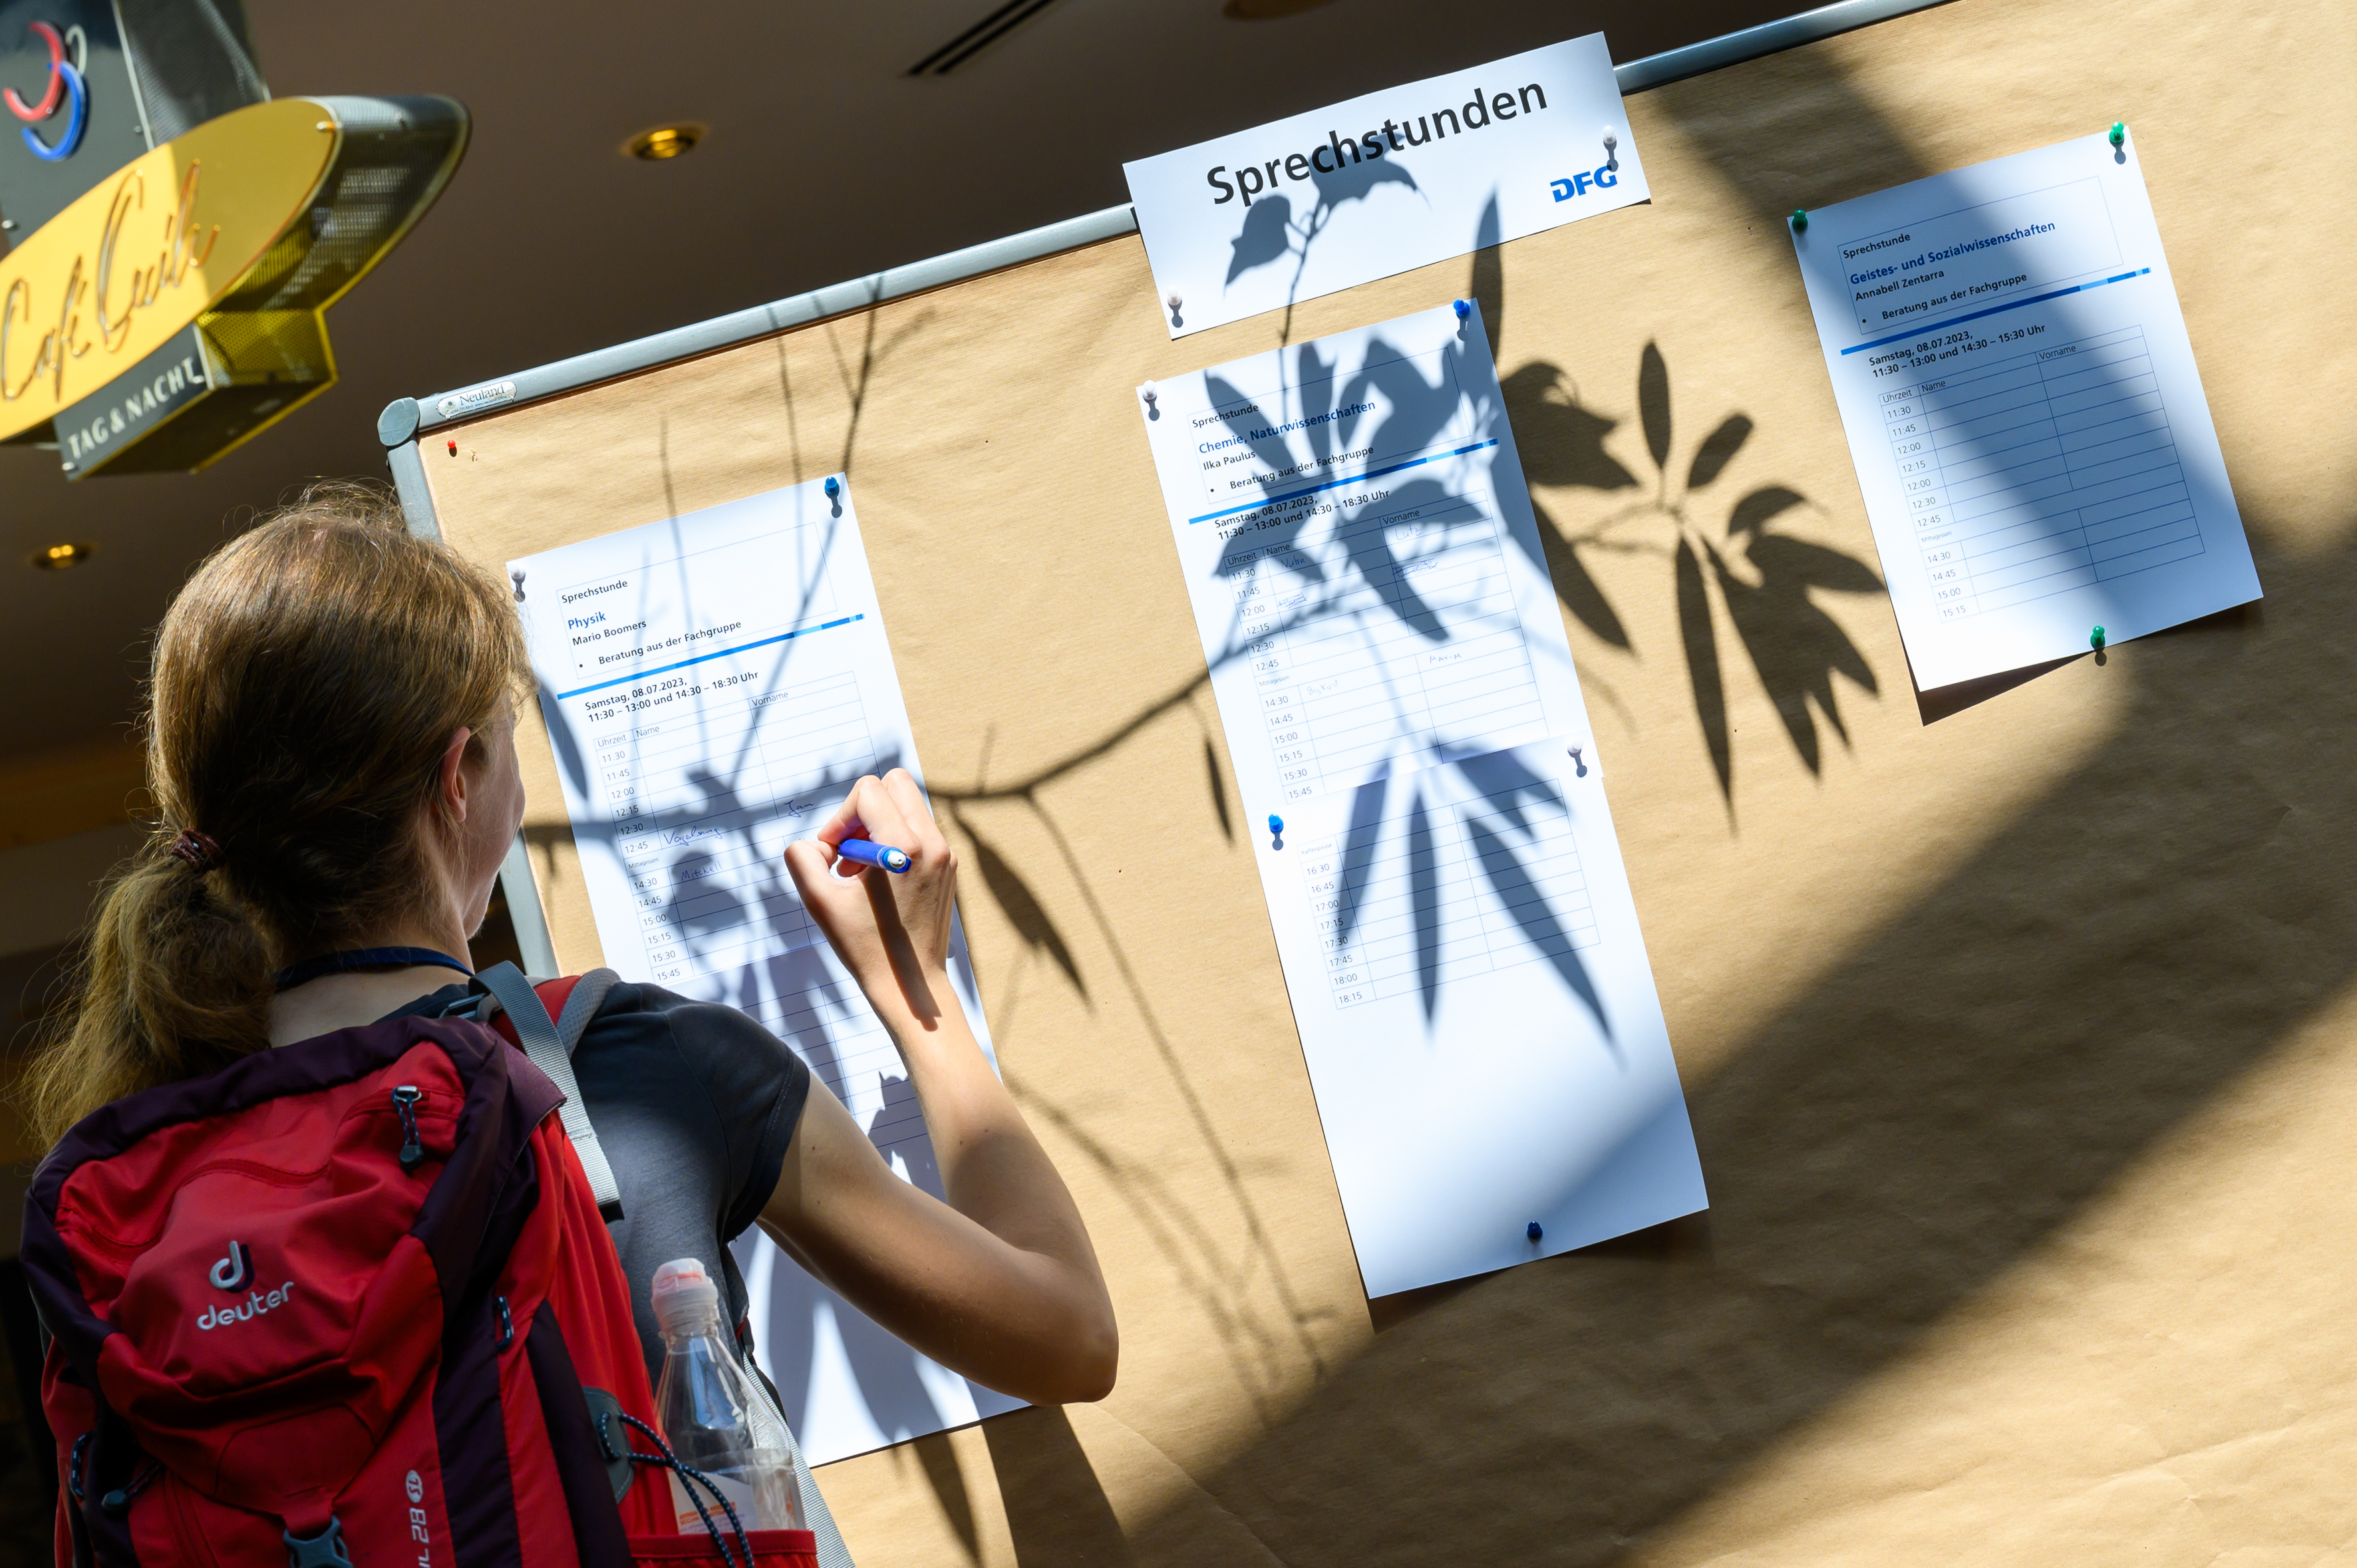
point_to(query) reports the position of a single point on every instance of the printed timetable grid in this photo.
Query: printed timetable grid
(1481, 889)
(2049, 471)
(690, 868)
(1426, 648)
(710, 901)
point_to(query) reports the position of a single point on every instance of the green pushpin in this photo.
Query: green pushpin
(1800, 221)
(2095, 640)
(2119, 133)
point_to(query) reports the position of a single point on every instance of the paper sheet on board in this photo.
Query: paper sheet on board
(2023, 410)
(1321, 201)
(1455, 923)
(712, 685)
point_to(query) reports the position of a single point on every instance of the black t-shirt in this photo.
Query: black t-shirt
(694, 1104)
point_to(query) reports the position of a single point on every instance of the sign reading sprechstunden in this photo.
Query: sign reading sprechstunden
(1396, 180)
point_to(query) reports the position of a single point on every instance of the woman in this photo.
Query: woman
(331, 749)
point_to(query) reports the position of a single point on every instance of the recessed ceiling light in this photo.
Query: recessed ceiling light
(665, 141)
(63, 557)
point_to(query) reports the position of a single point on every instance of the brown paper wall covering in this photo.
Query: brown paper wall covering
(2021, 1034)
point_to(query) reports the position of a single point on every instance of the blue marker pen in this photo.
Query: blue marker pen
(896, 861)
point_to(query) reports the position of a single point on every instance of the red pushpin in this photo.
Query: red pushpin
(454, 448)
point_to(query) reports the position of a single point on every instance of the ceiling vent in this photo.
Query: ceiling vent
(978, 38)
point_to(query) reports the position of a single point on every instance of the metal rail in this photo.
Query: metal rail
(406, 419)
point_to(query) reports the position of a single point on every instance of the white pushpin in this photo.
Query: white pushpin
(1148, 392)
(1611, 159)
(1175, 301)
(1578, 762)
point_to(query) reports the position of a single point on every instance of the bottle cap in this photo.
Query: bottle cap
(681, 1287)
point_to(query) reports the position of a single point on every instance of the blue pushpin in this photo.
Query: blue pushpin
(834, 487)
(1534, 1232)
(1464, 309)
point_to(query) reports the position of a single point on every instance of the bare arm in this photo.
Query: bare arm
(1000, 1284)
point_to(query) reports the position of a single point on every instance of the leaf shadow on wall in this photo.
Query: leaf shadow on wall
(1931, 1111)
(1793, 646)
(1764, 580)
(1927, 1114)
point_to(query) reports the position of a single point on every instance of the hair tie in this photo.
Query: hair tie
(199, 851)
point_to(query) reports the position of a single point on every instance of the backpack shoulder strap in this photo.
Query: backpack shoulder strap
(550, 1048)
(578, 1002)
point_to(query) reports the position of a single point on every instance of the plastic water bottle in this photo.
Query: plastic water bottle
(715, 1415)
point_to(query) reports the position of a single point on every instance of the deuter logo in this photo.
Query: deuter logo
(1603, 179)
(253, 1305)
(229, 1274)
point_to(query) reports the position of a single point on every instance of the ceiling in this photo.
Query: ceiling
(826, 160)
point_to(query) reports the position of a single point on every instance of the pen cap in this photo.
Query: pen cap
(683, 1294)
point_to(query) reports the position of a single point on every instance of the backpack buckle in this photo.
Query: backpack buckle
(324, 1550)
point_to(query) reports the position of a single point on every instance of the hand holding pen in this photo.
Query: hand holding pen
(881, 882)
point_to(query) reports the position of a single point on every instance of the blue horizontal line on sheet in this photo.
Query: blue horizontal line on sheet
(716, 653)
(1338, 484)
(1995, 309)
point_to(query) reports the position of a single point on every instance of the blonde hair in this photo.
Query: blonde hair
(305, 682)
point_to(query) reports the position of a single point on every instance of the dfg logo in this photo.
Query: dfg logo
(1578, 185)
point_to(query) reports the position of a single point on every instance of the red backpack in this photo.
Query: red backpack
(353, 1298)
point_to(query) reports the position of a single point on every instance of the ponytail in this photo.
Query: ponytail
(305, 682)
(175, 984)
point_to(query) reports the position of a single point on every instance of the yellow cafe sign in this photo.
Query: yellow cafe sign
(172, 310)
